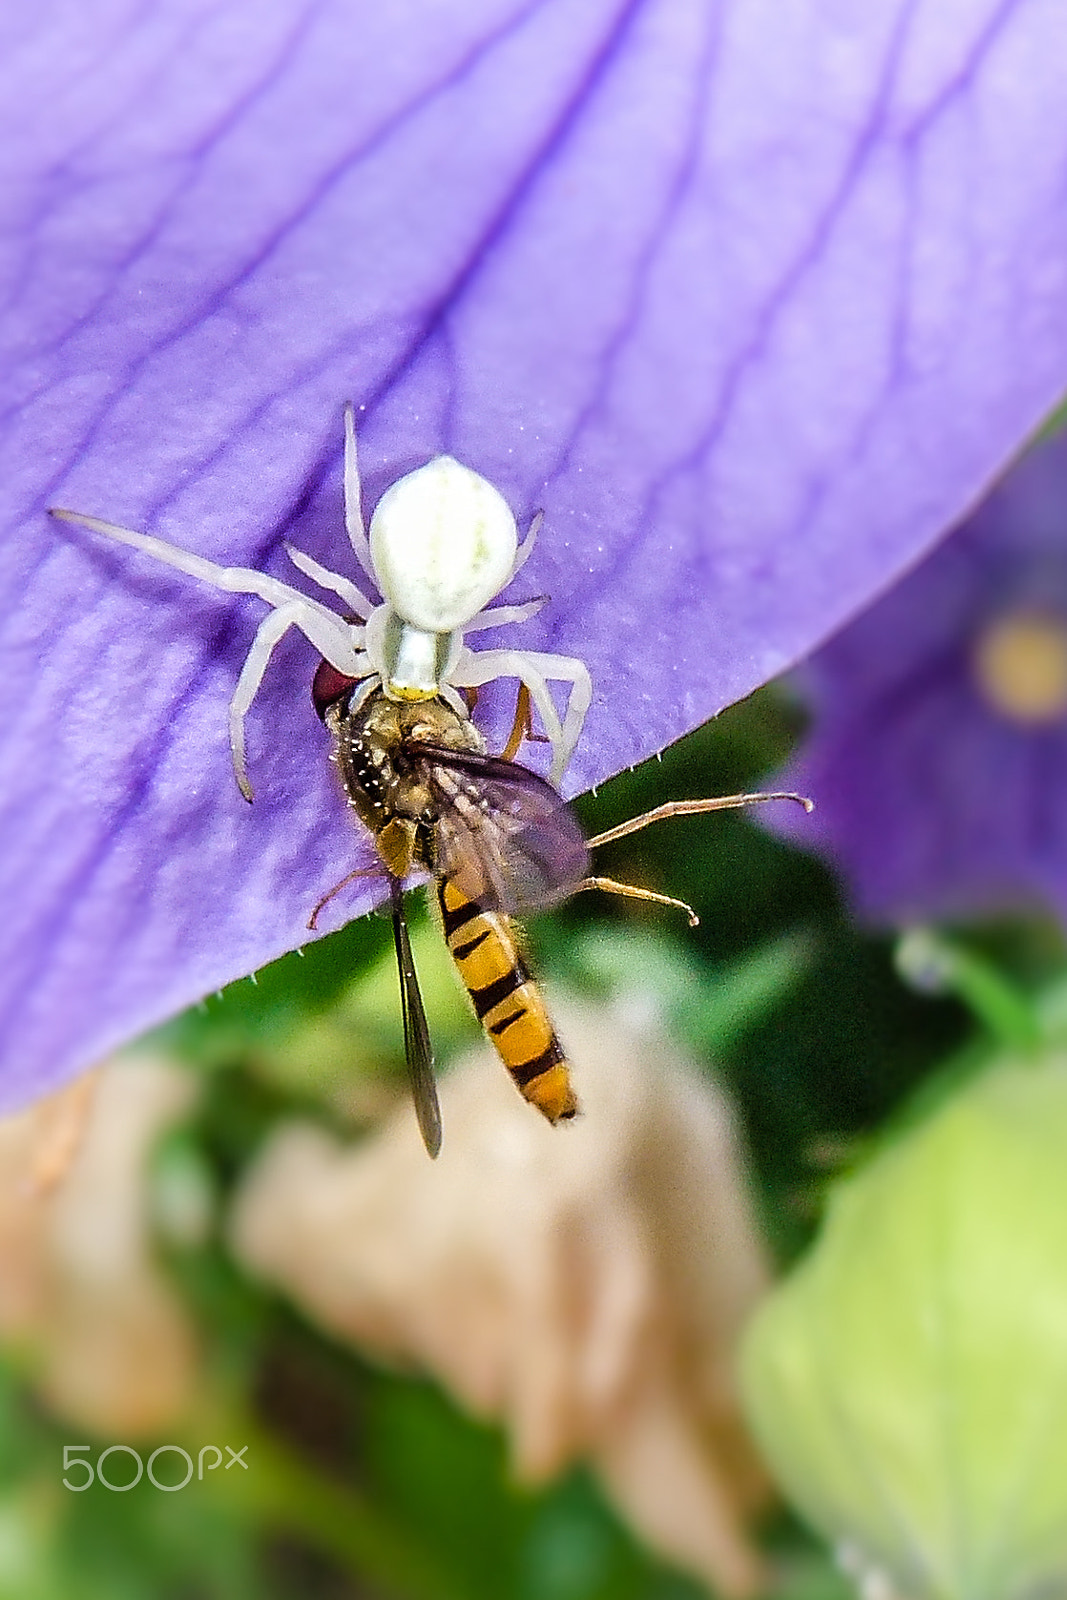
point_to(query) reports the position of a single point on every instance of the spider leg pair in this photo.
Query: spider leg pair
(442, 544)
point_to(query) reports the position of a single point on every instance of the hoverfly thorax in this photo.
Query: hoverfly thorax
(375, 736)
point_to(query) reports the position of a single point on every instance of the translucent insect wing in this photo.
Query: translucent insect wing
(503, 834)
(418, 1049)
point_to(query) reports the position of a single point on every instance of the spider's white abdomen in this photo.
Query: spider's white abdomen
(443, 543)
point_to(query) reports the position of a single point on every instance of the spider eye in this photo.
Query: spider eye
(327, 686)
(443, 543)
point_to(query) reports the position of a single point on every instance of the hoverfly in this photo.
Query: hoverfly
(495, 838)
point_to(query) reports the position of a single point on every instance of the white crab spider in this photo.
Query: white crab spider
(442, 543)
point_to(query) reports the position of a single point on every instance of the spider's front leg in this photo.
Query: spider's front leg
(535, 668)
(335, 640)
(231, 580)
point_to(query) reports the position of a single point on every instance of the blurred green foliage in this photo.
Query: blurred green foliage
(366, 1484)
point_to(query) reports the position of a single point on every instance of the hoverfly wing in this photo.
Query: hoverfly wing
(418, 1050)
(503, 834)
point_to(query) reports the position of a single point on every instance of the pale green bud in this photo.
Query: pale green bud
(908, 1383)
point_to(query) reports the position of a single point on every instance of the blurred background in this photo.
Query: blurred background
(209, 1243)
(784, 1312)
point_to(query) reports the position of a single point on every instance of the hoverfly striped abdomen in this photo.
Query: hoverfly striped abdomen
(508, 1001)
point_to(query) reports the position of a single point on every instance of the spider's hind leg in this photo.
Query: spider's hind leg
(357, 533)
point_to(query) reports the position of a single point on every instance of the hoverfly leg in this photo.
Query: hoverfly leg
(689, 808)
(673, 808)
(632, 892)
(349, 877)
(418, 1050)
(522, 727)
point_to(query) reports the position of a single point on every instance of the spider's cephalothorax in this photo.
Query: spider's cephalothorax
(442, 544)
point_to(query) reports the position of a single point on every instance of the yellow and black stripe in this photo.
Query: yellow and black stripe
(507, 1000)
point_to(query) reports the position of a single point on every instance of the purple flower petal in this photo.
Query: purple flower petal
(941, 767)
(752, 300)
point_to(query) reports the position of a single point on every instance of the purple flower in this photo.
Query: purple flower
(939, 746)
(751, 301)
